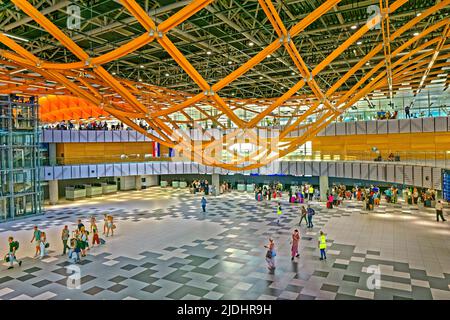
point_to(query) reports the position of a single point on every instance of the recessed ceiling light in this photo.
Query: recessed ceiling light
(232, 94)
(293, 73)
(419, 14)
(260, 78)
(353, 27)
(113, 73)
(268, 56)
(142, 66)
(208, 52)
(415, 34)
(359, 43)
(229, 62)
(251, 44)
(167, 74)
(140, 80)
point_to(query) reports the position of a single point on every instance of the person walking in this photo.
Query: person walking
(80, 225)
(94, 231)
(204, 202)
(279, 212)
(322, 244)
(65, 237)
(311, 192)
(43, 245)
(110, 226)
(439, 211)
(303, 216)
(270, 254)
(13, 247)
(37, 239)
(407, 114)
(310, 212)
(294, 242)
(105, 223)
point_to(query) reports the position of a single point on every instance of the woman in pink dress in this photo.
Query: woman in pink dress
(295, 240)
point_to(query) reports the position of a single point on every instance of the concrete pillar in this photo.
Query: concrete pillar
(215, 181)
(53, 191)
(138, 182)
(323, 187)
(52, 154)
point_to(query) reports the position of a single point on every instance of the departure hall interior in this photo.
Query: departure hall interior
(224, 150)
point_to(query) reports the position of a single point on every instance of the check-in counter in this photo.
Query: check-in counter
(164, 184)
(93, 190)
(250, 187)
(241, 187)
(175, 184)
(109, 187)
(75, 192)
(183, 184)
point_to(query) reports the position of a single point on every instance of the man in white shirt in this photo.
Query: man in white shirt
(439, 208)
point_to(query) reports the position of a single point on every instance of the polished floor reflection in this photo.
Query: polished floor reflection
(165, 248)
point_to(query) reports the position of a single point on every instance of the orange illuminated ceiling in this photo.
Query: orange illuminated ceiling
(161, 108)
(55, 108)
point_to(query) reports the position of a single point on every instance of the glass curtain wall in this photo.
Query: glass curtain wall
(20, 188)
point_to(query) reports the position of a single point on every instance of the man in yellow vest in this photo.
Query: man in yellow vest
(322, 243)
(311, 192)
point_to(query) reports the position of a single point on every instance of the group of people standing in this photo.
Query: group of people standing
(75, 243)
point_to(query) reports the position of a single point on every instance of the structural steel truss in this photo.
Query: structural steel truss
(165, 109)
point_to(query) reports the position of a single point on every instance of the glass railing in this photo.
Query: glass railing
(118, 158)
(425, 158)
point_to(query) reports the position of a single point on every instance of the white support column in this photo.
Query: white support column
(323, 187)
(138, 182)
(52, 154)
(53, 191)
(215, 181)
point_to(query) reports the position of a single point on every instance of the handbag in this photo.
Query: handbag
(47, 245)
(114, 226)
(269, 254)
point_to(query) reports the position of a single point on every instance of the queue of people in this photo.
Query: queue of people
(75, 244)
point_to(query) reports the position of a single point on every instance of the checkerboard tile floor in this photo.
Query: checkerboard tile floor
(166, 248)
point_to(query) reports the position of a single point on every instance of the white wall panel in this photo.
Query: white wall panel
(124, 135)
(65, 136)
(133, 169)
(416, 125)
(330, 130)
(173, 168)
(356, 169)
(348, 170)
(108, 136)
(437, 178)
(83, 136)
(149, 168)
(390, 173)
(408, 175)
(364, 171)
(340, 169)
(351, 127)
(101, 170)
(57, 136)
(417, 175)
(179, 167)
(75, 172)
(340, 128)
(440, 124)
(57, 173)
(373, 172)
(382, 127)
(316, 168)
(371, 127)
(300, 168)
(361, 127)
(47, 136)
(67, 172)
(381, 172)
(427, 179)
(404, 125)
(109, 170)
(84, 171)
(100, 136)
(428, 125)
(164, 168)
(293, 168)
(132, 136)
(285, 167)
(91, 136)
(393, 126)
(399, 174)
(332, 169)
(157, 167)
(308, 168)
(75, 136)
